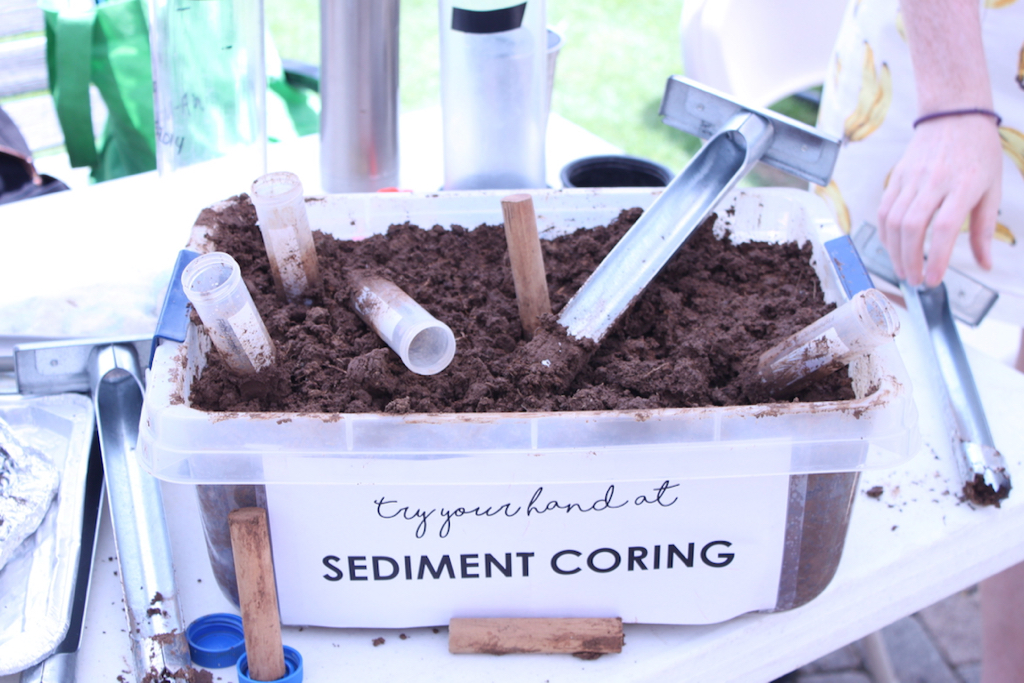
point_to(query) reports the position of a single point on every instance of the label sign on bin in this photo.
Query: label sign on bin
(683, 551)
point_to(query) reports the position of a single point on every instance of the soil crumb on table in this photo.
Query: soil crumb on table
(692, 339)
(186, 675)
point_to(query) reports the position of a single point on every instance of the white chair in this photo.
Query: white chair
(760, 52)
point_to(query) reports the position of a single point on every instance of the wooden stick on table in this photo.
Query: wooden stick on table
(257, 593)
(578, 636)
(527, 261)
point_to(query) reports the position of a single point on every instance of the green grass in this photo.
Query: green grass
(610, 76)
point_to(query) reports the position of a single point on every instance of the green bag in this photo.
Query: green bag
(108, 45)
(292, 111)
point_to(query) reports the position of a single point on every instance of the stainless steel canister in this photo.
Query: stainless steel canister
(359, 95)
(209, 85)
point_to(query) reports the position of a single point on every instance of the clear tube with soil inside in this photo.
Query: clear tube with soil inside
(425, 344)
(863, 323)
(213, 283)
(281, 210)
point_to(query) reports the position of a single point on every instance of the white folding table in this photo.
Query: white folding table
(914, 545)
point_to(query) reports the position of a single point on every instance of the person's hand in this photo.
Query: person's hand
(950, 171)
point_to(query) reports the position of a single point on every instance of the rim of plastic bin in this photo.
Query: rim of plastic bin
(292, 664)
(216, 641)
(615, 170)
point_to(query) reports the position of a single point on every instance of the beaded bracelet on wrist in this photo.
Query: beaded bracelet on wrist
(958, 112)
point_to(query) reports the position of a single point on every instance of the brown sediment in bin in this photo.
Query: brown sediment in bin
(692, 339)
(826, 517)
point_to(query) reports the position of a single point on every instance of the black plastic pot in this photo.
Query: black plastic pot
(615, 171)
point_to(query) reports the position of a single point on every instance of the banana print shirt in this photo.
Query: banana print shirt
(872, 59)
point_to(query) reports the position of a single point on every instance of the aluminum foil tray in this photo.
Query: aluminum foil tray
(37, 583)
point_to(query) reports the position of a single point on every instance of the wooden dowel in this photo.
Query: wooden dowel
(579, 636)
(257, 593)
(527, 260)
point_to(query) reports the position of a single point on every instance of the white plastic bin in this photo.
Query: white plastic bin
(819, 447)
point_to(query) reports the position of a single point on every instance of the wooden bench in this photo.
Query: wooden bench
(24, 58)
(23, 75)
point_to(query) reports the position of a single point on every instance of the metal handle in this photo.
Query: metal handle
(796, 148)
(59, 668)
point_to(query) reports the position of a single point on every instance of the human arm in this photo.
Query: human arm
(951, 169)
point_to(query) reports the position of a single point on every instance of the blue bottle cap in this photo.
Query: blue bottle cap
(216, 640)
(292, 664)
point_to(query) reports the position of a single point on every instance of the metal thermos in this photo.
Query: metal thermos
(359, 95)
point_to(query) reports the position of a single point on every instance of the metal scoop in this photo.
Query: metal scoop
(982, 467)
(109, 370)
(740, 137)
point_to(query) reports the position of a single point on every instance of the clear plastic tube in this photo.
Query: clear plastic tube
(213, 283)
(425, 344)
(281, 210)
(865, 322)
